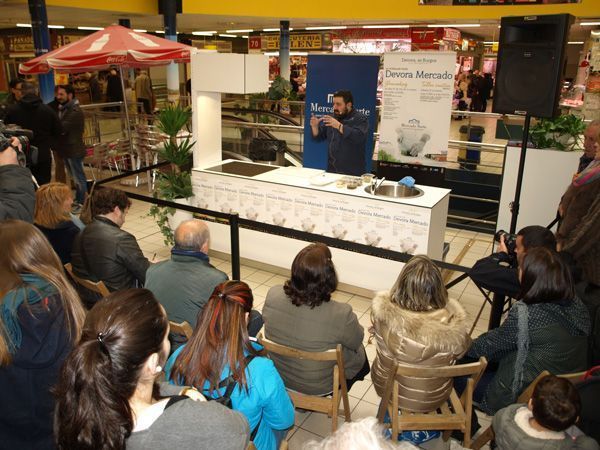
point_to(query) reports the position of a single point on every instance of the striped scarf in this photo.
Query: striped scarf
(588, 175)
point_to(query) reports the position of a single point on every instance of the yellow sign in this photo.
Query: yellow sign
(297, 42)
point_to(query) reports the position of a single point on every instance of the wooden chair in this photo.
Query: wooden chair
(487, 435)
(328, 405)
(182, 328)
(454, 414)
(98, 287)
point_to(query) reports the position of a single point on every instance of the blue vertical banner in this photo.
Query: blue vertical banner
(330, 73)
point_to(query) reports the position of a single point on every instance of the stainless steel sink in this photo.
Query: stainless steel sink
(395, 191)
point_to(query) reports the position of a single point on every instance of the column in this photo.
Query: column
(170, 21)
(41, 41)
(284, 49)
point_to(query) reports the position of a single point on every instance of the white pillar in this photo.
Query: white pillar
(206, 123)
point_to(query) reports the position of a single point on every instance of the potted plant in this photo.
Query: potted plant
(562, 133)
(175, 184)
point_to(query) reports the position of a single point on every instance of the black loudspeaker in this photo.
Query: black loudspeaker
(531, 62)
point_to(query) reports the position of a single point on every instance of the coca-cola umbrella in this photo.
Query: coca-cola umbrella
(113, 46)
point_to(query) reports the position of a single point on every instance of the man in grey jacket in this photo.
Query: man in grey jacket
(184, 283)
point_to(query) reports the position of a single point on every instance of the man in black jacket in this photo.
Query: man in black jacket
(70, 144)
(103, 251)
(17, 195)
(31, 113)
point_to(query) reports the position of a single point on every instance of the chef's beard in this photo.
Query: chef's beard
(343, 115)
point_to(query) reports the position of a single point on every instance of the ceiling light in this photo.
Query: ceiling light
(138, 30)
(244, 37)
(385, 26)
(575, 42)
(239, 31)
(326, 28)
(203, 33)
(490, 42)
(270, 29)
(160, 31)
(24, 25)
(90, 28)
(228, 35)
(589, 24)
(58, 27)
(454, 25)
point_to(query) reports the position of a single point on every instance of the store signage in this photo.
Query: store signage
(330, 73)
(297, 42)
(371, 33)
(451, 34)
(417, 103)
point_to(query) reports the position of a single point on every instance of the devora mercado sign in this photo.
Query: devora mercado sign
(417, 104)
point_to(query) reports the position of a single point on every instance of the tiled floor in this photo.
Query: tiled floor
(363, 399)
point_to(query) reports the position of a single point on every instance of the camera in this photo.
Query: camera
(28, 154)
(510, 240)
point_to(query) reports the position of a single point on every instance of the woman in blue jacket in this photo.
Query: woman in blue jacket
(219, 343)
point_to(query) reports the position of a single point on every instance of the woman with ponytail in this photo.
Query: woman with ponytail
(107, 395)
(40, 320)
(220, 354)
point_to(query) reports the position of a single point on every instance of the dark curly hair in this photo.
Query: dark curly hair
(105, 199)
(313, 276)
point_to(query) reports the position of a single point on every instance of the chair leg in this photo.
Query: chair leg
(394, 413)
(486, 436)
(335, 399)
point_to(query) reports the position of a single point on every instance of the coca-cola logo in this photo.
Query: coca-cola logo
(115, 59)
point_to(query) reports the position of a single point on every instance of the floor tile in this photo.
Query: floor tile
(300, 437)
(320, 424)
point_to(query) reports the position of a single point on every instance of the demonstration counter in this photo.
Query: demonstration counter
(311, 200)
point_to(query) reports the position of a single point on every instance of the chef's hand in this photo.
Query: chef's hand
(331, 122)
(314, 121)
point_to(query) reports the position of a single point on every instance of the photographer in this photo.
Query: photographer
(17, 195)
(499, 271)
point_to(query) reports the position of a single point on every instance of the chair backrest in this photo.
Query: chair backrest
(98, 286)
(182, 328)
(458, 370)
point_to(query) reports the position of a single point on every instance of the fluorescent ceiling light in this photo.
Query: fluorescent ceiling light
(203, 33)
(239, 31)
(575, 42)
(139, 30)
(385, 26)
(270, 29)
(24, 25)
(90, 28)
(59, 27)
(244, 37)
(490, 42)
(589, 24)
(160, 31)
(228, 35)
(454, 25)
(326, 28)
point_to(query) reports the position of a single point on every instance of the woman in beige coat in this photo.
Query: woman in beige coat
(416, 324)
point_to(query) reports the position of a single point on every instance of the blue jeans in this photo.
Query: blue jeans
(75, 166)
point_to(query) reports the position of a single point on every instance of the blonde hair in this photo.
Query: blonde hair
(26, 250)
(420, 286)
(49, 200)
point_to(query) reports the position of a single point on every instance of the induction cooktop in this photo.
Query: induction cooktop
(246, 169)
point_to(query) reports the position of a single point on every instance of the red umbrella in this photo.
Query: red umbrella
(113, 46)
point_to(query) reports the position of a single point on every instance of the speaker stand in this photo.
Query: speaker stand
(514, 207)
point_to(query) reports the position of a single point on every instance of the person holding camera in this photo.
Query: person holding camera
(499, 271)
(31, 113)
(17, 194)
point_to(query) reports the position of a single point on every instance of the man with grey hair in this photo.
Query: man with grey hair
(590, 138)
(184, 283)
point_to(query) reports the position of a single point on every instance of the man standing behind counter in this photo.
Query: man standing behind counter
(346, 133)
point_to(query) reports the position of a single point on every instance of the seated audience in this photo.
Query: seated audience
(545, 421)
(300, 314)
(222, 363)
(40, 319)
(53, 217)
(17, 193)
(416, 324)
(184, 283)
(107, 394)
(105, 252)
(499, 271)
(546, 329)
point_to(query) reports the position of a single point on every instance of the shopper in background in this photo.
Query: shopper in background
(60, 172)
(14, 95)
(487, 84)
(40, 320)
(590, 139)
(345, 133)
(114, 89)
(301, 315)
(17, 194)
(53, 218)
(416, 324)
(31, 113)
(107, 395)
(143, 92)
(95, 87)
(547, 329)
(71, 146)
(220, 354)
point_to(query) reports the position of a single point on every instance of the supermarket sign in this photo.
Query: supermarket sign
(314, 41)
